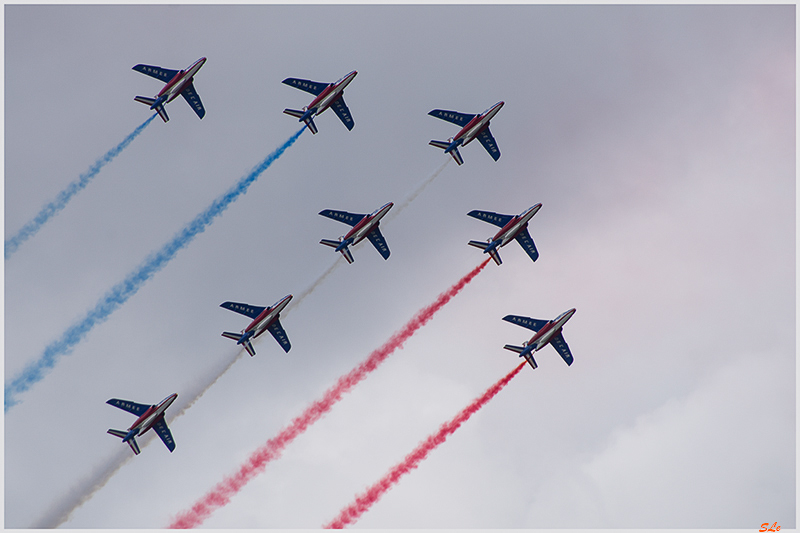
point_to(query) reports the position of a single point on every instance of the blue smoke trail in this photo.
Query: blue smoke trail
(120, 293)
(53, 208)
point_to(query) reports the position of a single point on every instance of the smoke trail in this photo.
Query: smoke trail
(362, 503)
(398, 207)
(53, 208)
(221, 494)
(83, 491)
(120, 293)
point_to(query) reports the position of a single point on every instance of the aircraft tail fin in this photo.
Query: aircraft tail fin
(131, 442)
(492, 251)
(446, 146)
(335, 244)
(232, 336)
(521, 351)
(150, 102)
(296, 113)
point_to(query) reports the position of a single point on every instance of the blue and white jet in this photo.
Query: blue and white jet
(326, 95)
(363, 226)
(150, 416)
(264, 319)
(472, 127)
(547, 332)
(511, 228)
(178, 82)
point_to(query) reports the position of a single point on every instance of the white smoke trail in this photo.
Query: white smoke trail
(398, 207)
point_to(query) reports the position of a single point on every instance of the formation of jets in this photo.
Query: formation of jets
(363, 226)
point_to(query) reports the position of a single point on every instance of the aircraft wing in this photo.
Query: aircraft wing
(561, 347)
(132, 407)
(488, 142)
(342, 216)
(451, 116)
(377, 240)
(163, 74)
(524, 240)
(308, 86)
(165, 434)
(340, 108)
(492, 218)
(191, 97)
(530, 323)
(280, 335)
(243, 309)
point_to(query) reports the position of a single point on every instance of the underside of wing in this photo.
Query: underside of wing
(165, 434)
(191, 97)
(308, 86)
(488, 142)
(451, 116)
(561, 347)
(532, 324)
(163, 74)
(251, 311)
(341, 110)
(524, 240)
(377, 240)
(492, 218)
(132, 407)
(343, 216)
(280, 335)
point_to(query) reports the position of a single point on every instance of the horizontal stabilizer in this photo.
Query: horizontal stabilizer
(457, 156)
(440, 144)
(294, 112)
(145, 100)
(328, 242)
(479, 244)
(249, 348)
(232, 336)
(134, 446)
(118, 433)
(347, 254)
(517, 349)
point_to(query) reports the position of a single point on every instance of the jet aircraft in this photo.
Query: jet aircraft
(363, 226)
(326, 95)
(547, 332)
(511, 228)
(150, 416)
(178, 82)
(472, 126)
(264, 319)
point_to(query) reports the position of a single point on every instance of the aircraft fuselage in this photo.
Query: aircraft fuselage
(366, 224)
(510, 231)
(477, 124)
(182, 79)
(152, 415)
(328, 95)
(260, 324)
(543, 337)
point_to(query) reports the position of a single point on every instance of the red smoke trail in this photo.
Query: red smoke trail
(221, 494)
(362, 503)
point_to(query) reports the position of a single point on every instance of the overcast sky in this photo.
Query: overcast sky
(660, 141)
